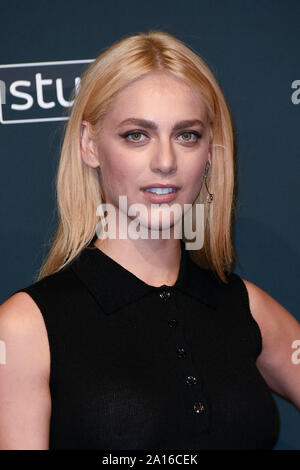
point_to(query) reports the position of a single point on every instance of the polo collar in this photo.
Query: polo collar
(114, 287)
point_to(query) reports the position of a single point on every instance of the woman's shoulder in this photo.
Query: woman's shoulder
(18, 310)
(24, 336)
(232, 284)
(24, 317)
(54, 286)
(24, 371)
(27, 307)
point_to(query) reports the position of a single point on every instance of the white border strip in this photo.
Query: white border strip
(33, 64)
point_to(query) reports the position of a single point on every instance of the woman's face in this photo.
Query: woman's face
(143, 141)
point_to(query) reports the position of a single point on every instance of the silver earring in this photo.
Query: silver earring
(210, 196)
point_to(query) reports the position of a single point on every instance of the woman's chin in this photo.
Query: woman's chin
(157, 228)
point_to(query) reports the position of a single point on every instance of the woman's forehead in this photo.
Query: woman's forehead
(161, 81)
(158, 96)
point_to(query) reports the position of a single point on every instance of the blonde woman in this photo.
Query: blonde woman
(136, 342)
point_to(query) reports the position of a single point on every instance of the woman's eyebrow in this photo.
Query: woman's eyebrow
(151, 124)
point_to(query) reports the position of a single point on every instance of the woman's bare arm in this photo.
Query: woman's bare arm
(279, 331)
(25, 402)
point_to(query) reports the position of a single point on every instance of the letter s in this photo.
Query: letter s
(21, 94)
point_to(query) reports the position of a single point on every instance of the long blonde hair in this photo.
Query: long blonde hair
(78, 188)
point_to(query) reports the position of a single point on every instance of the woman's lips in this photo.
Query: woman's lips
(160, 198)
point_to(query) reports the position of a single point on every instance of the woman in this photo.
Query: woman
(132, 342)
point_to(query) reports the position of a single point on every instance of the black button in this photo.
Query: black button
(181, 352)
(164, 294)
(199, 407)
(172, 323)
(191, 380)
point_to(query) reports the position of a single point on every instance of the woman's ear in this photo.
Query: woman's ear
(88, 148)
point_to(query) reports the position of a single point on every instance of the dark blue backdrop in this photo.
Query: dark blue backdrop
(252, 47)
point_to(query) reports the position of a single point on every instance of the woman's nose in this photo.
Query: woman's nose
(164, 159)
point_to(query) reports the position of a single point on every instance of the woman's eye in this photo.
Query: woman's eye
(186, 136)
(135, 136)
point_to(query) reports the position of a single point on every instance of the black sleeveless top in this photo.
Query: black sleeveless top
(140, 367)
